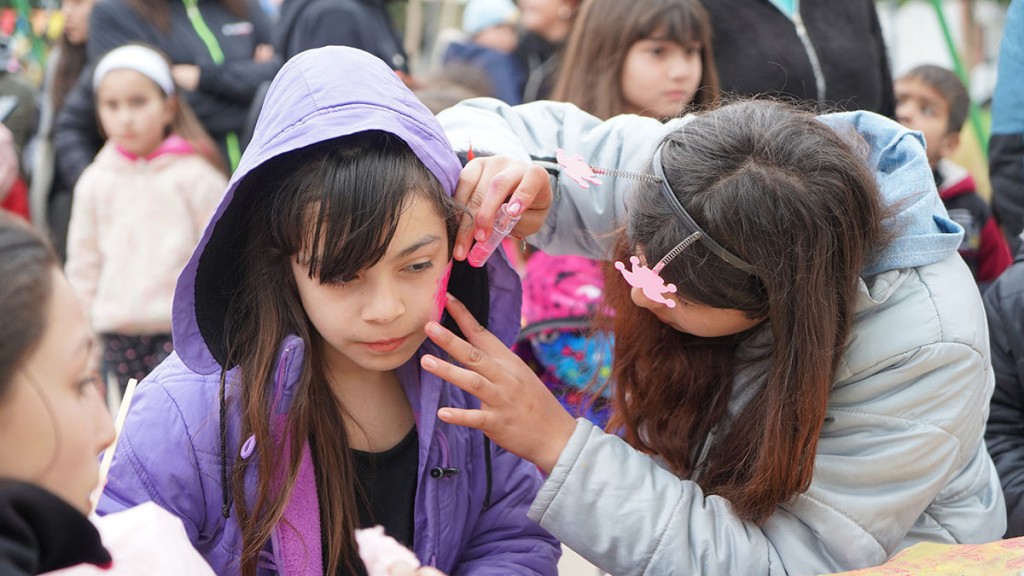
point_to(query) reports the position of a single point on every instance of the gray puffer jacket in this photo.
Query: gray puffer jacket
(901, 457)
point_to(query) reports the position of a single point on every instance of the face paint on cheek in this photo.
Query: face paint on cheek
(440, 295)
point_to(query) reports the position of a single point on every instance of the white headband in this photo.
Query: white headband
(143, 60)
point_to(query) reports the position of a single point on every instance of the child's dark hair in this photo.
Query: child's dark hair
(337, 203)
(789, 196)
(591, 70)
(949, 86)
(26, 265)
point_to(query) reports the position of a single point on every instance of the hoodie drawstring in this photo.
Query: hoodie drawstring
(488, 472)
(225, 504)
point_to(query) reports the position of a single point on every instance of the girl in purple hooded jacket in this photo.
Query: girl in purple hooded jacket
(293, 410)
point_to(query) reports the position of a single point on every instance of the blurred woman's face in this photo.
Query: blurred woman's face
(53, 421)
(550, 19)
(76, 20)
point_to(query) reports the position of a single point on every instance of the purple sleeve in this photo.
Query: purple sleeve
(504, 541)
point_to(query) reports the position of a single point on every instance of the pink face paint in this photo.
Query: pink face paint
(504, 222)
(576, 169)
(441, 294)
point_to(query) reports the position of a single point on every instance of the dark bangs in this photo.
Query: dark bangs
(344, 206)
(680, 22)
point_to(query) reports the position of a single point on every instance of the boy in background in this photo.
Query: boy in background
(934, 101)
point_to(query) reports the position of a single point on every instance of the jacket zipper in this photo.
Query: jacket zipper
(275, 542)
(444, 470)
(705, 447)
(438, 473)
(812, 54)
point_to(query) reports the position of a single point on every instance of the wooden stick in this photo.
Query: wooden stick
(108, 454)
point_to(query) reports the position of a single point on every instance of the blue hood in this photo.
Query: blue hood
(318, 95)
(921, 230)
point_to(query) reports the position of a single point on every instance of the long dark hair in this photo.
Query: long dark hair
(790, 196)
(343, 197)
(70, 62)
(26, 264)
(604, 31)
(158, 14)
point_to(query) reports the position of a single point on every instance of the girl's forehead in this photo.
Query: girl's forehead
(417, 214)
(121, 79)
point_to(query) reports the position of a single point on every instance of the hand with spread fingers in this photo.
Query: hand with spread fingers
(488, 182)
(516, 410)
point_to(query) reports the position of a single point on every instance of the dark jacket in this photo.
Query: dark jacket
(40, 532)
(541, 60)
(983, 249)
(504, 71)
(363, 24)
(1006, 146)
(830, 52)
(227, 82)
(1004, 434)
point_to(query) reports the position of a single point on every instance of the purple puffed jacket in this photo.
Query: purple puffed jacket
(471, 497)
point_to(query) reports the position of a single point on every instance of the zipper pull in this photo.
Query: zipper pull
(443, 472)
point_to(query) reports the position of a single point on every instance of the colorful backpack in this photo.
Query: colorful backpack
(561, 295)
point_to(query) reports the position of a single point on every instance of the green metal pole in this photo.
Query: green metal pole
(958, 66)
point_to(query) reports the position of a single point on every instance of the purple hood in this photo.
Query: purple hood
(318, 95)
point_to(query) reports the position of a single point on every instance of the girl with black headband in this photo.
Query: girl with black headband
(801, 357)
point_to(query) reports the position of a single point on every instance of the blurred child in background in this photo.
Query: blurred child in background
(50, 194)
(649, 57)
(139, 208)
(490, 26)
(545, 25)
(934, 100)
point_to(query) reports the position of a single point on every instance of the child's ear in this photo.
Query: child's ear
(170, 110)
(950, 142)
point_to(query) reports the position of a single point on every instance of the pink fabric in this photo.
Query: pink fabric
(380, 552)
(296, 537)
(173, 144)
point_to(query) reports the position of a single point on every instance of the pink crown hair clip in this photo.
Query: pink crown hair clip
(649, 280)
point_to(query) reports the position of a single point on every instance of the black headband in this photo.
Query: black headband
(683, 215)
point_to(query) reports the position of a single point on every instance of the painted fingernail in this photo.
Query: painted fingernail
(515, 207)
(428, 362)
